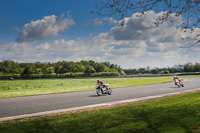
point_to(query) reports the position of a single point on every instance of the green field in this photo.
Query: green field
(176, 114)
(19, 88)
(190, 76)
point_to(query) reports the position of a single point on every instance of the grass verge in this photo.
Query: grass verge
(173, 114)
(190, 76)
(19, 88)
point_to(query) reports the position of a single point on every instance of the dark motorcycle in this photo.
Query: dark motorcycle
(103, 89)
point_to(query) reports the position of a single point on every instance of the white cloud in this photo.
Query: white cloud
(101, 21)
(143, 28)
(137, 44)
(47, 27)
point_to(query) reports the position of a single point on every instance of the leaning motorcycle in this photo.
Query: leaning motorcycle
(103, 89)
(179, 83)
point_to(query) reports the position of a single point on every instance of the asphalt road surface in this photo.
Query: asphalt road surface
(34, 104)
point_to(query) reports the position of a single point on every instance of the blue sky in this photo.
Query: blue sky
(17, 13)
(56, 30)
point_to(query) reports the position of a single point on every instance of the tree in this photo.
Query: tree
(155, 70)
(189, 9)
(100, 67)
(57, 67)
(89, 70)
(9, 66)
(38, 71)
(188, 67)
(50, 70)
(78, 67)
(107, 63)
(66, 67)
(197, 67)
(30, 69)
(141, 70)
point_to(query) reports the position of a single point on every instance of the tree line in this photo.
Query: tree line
(82, 68)
(188, 67)
(64, 69)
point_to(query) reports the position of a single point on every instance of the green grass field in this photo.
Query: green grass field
(190, 76)
(176, 114)
(19, 88)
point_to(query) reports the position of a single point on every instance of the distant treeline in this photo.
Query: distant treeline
(189, 67)
(59, 69)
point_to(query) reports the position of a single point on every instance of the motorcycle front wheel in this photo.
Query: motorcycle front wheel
(109, 91)
(178, 85)
(99, 92)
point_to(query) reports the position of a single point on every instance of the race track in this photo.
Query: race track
(34, 104)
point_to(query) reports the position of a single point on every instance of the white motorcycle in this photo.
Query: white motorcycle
(103, 89)
(178, 83)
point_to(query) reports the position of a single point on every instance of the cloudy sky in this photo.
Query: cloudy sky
(57, 30)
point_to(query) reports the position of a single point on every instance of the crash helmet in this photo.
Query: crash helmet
(98, 81)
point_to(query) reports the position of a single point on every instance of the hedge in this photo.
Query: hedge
(56, 75)
(105, 74)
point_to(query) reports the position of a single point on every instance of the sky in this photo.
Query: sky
(57, 30)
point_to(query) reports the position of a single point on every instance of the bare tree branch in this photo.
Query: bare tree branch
(188, 9)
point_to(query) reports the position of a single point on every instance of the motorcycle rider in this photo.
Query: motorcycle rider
(98, 81)
(102, 84)
(176, 79)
